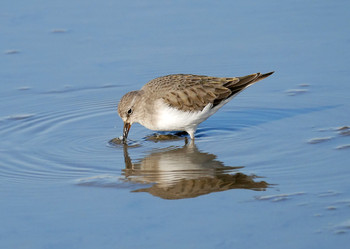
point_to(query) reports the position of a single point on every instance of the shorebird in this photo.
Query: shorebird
(180, 102)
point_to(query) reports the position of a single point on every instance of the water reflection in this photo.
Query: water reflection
(177, 173)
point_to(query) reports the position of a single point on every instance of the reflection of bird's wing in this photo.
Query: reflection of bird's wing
(205, 185)
(189, 92)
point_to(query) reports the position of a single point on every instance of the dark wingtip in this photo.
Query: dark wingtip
(263, 76)
(268, 74)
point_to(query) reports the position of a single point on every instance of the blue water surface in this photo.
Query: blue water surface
(270, 169)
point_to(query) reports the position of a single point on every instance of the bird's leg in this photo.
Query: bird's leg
(191, 132)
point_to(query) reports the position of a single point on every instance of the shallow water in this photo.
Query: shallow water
(269, 169)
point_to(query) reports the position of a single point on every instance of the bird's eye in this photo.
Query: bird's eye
(129, 111)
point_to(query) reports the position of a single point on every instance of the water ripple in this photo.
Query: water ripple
(55, 144)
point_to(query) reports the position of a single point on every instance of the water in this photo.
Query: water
(269, 169)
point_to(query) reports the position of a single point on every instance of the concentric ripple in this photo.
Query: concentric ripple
(62, 137)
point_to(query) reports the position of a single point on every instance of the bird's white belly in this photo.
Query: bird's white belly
(172, 119)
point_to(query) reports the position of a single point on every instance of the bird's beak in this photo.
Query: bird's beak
(126, 131)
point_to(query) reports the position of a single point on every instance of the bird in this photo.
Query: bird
(180, 102)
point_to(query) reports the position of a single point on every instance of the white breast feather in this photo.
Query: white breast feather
(172, 119)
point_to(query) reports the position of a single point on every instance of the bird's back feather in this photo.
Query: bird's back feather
(188, 92)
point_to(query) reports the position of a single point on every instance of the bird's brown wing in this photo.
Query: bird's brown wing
(189, 92)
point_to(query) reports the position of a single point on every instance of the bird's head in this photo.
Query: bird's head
(128, 110)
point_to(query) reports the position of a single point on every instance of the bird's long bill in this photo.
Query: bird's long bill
(126, 130)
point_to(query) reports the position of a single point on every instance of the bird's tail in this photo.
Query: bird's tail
(244, 82)
(252, 78)
(263, 76)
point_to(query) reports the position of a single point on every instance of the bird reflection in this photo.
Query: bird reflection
(185, 172)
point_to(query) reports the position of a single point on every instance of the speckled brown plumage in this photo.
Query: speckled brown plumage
(188, 92)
